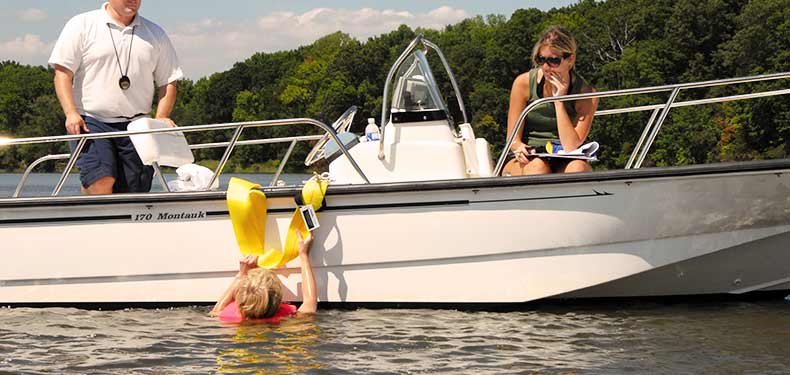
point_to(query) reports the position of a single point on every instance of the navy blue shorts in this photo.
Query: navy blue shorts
(114, 157)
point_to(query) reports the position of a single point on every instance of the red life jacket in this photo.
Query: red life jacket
(231, 314)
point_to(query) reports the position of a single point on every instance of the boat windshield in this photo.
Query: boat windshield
(416, 89)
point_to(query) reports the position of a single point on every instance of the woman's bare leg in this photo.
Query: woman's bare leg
(537, 166)
(577, 166)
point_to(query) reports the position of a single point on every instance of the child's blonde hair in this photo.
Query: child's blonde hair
(259, 295)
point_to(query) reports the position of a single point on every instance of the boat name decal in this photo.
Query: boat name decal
(154, 215)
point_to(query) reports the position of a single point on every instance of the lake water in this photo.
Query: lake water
(610, 338)
(621, 337)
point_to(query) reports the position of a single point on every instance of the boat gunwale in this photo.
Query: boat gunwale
(779, 165)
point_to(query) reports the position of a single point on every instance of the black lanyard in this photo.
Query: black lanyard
(124, 82)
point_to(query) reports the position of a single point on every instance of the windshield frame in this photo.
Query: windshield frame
(407, 75)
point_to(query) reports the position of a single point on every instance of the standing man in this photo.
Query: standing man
(108, 63)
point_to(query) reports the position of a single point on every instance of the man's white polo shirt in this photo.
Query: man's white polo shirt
(85, 47)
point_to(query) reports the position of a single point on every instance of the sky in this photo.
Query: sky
(210, 35)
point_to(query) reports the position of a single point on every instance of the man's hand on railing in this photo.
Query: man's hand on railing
(74, 123)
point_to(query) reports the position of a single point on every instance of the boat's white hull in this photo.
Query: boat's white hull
(437, 243)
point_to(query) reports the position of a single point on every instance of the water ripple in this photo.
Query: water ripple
(664, 339)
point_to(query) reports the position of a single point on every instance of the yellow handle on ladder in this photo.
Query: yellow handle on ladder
(247, 207)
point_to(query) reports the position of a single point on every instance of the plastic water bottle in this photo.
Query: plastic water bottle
(372, 131)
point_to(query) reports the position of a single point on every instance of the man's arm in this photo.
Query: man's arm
(63, 88)
(167, 100)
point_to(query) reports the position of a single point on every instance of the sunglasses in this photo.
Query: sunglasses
(553, 61)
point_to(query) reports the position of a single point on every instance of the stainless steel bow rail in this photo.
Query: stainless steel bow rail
(659, 114)
(229, 146)
(660, 111)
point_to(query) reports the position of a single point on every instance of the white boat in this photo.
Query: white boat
(421, 216)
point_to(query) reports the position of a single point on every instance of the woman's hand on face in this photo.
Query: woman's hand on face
(559, 85)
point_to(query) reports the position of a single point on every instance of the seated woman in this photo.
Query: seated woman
(256, 293)
(568, 123)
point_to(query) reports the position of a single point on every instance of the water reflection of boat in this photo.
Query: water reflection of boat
(434, 224)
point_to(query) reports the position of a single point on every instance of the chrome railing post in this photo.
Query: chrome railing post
(159, 173)
(638, 145)
(225, 156)
(69, 166)
(30, 169)
(452, 77)
(512, 136)
(284, 160)
(657, 126)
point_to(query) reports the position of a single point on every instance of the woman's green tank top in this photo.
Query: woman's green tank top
(541, 124)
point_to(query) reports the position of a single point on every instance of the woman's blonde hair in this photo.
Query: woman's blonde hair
(259, 295)
(556, 38)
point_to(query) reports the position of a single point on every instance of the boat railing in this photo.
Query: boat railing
(659, 114)
(238, 127)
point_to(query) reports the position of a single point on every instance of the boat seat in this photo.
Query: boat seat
(477, 156)
(168, 149)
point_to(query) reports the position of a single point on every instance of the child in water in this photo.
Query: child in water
(256, 293)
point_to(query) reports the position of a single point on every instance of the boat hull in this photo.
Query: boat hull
(675, 231)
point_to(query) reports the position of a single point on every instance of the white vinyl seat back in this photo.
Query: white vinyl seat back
(477, 155)
(485, 164)
(168, 149)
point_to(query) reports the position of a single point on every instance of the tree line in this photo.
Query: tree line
(622, 44)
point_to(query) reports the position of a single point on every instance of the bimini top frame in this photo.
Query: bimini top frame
(414, 46)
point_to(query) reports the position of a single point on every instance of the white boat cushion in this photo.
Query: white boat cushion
(169, 149)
